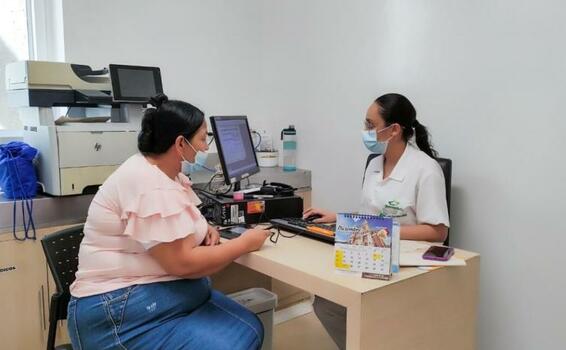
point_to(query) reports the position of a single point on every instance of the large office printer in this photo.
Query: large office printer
(84, 122)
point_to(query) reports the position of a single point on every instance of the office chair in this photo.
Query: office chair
(446, 165)
(62, 253)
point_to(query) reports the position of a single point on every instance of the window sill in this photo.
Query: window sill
(10, 135)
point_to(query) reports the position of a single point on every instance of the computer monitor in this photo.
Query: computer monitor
(235, 148)
(134, 83)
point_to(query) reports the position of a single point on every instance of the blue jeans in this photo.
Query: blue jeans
(181, 314)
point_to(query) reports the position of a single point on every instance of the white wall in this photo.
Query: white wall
(487, 77)
(319, 72)
(491, 77)
(208, 51)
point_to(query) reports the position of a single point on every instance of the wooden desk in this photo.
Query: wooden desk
(416, 309)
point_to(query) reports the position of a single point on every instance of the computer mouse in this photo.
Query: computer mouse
(313, 217)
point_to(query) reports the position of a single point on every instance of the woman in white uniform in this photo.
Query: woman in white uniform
(404, 181)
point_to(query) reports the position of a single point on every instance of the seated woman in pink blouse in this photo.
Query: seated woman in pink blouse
(143, 262)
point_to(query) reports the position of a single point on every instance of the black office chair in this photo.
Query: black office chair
(446, 165)
(62, 253)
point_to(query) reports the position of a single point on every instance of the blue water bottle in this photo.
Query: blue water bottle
(289, 138)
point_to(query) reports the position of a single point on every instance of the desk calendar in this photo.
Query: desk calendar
(363, 243)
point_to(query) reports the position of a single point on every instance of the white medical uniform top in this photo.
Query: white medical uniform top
(414, 193)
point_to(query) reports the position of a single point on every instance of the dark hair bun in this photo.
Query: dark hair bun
(158, 100)
(161, 125)
(145, 137)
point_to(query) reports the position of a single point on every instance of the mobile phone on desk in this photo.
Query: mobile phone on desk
(438, 253)
(232, 232)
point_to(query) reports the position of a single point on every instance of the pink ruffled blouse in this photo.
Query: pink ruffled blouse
(136, 208)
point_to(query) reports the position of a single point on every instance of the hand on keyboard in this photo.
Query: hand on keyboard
(319, 215)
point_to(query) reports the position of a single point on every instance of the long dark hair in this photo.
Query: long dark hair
(163, 124)
(396, 108)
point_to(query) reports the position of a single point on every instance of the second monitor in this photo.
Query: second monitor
(235, 148)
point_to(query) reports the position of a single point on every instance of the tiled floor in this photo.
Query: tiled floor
(305, 332)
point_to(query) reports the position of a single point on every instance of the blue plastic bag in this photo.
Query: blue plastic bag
(18, 179)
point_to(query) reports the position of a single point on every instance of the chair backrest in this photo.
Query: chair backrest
(445, 165)
(62, 253)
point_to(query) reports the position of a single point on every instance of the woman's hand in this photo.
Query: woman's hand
(323, 215)
(254, 238)
(212, 236)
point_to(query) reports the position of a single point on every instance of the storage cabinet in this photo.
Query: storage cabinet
(26, 286)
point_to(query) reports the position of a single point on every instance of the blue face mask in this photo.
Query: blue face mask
(370, 141)
(199, 163)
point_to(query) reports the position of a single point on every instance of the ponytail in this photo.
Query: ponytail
(146, 137)
(421, 138)
(396, 108)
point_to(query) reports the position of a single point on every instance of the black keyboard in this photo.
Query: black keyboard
(323, 232)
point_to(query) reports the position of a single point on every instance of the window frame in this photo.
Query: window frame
(37, 47)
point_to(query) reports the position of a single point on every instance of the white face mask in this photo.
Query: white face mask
(198, 164)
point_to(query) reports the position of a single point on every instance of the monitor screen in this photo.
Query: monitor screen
(235, 147)
(134, 83)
